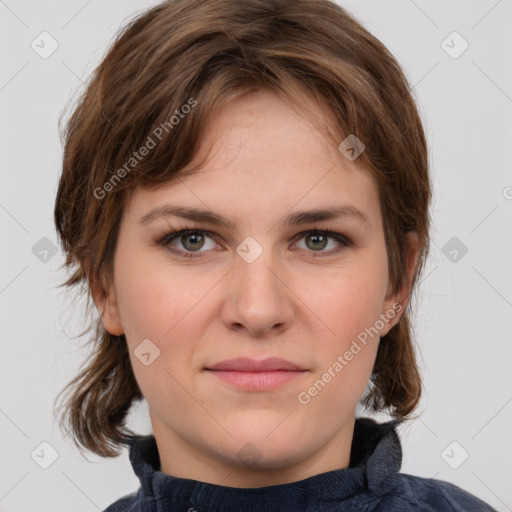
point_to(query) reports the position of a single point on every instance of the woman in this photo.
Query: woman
(245, 194)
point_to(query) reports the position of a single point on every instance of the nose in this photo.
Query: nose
(258, 297)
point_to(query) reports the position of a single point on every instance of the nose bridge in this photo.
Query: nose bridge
(256, 268)
(259, 297)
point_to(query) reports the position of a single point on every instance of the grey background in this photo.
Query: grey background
(463, 320)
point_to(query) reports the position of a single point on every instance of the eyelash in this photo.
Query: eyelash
(166, 240)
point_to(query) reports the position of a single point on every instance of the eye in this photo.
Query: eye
(318, 240)
(193, 240)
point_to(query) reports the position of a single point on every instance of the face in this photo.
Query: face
(268, 284)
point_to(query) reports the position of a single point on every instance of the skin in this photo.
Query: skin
(297, 300)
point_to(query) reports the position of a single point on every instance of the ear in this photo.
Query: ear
(106, 303)
(397, 303)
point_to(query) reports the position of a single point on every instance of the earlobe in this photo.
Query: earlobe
(110, 317)
(414, 250)
(395, 305)
(106, 304)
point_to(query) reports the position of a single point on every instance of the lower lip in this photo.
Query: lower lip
(257, 381)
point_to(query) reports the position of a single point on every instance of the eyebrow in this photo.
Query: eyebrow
(295, 218)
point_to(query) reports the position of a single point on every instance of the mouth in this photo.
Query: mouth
(245, 364)
(252, 375)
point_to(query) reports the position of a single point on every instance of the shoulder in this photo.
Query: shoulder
(125, 504)
(427, 494)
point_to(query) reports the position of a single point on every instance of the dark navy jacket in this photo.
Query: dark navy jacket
(372, 482)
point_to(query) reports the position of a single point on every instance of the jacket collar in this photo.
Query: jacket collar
(376, 458)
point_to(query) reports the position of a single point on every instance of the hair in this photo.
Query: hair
(205, 54)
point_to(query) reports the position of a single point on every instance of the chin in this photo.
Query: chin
(271, 442)
(266, 454)
(261, 425)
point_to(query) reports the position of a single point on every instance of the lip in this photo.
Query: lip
(256, 381)
(245, 364)
(252, 375)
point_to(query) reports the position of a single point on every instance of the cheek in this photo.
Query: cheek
(348, 300)
(167, 306)
(348, 304)
(152, 298)
(347, 347)
(157, 303)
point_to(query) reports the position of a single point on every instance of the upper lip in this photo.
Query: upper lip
(245, 364)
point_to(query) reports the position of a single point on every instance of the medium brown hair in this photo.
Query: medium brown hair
(206, 54)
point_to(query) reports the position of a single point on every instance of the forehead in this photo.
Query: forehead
(260, 158)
